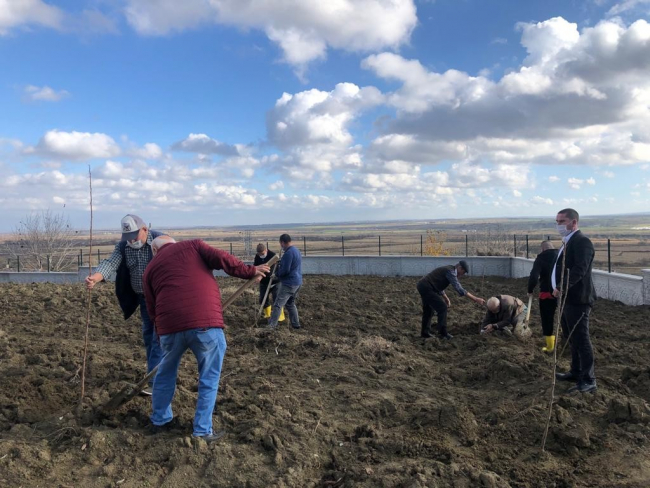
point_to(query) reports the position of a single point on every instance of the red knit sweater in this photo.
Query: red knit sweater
(180, 289)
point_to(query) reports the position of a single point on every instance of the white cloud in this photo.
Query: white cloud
(516, 193)
(499, 40)
(78, 146)
(553, 179)
(591, 181)
(44, 93)
(626, 6)
(303, 29)
(608, 174)
(19, 13)
(581, 97)
(203, 144)
(575, 183)
(278, 185)
(537, 200)
(149, 151)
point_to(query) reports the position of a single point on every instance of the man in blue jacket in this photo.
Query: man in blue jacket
(289, 273)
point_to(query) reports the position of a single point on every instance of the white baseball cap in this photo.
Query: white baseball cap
(131, 225)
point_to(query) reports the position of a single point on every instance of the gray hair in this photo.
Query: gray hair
(493, 304)
(546, 245)
(160, 241)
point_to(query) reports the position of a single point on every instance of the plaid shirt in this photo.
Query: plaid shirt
(136, 260)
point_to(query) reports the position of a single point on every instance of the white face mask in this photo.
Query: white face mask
(135, 244)
(562, 230)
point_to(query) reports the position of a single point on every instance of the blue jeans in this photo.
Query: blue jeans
(286, 298)
(151, 345)
(209, 348)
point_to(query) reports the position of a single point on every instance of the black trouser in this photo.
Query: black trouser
(547, 308)
(269, 299)
(582, 354)
(432, 302)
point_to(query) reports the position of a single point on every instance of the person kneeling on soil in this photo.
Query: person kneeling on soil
(184, 303)
(434, 299)
(505, 314)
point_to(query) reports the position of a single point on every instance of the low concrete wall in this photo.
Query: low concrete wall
(38, 277)
(631, 290)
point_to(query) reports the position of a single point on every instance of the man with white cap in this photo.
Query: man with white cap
(128, 261)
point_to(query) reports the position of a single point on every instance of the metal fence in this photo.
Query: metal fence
(624, 255)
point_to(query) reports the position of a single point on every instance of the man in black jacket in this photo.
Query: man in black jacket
(434, 299)
(577, 284)
(541, 272)
(263, 256)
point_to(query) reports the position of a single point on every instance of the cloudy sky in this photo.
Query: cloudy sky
(222, 112)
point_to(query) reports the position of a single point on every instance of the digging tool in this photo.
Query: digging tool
(131, 391)
(273, 260)
(522, 331)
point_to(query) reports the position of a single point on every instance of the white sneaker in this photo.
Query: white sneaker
(148, 391)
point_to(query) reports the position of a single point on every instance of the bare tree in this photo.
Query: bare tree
(39, 235)
(493, 241)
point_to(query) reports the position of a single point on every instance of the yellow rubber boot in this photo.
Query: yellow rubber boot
(267, 312)
(550, 344)
(281, 319)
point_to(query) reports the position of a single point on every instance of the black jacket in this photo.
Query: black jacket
(126, 297)
(258, 261)
(579, 263)
(542, 270)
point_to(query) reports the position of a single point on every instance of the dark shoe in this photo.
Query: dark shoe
(566, 376)
(215, 436)
(171, 425)
(295, 328)
(446, 337)
(586, 386)
(426, 335)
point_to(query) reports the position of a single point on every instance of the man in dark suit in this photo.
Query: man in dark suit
(541, 272)
(580, 293)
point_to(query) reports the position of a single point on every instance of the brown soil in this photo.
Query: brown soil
(355, 398)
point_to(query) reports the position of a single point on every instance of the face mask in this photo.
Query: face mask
(562, 230)
(262, 255)
(135, 244)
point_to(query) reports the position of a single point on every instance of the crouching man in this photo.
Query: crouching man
(184, 303)
(506, 314)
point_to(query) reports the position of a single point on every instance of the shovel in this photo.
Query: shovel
(523, 332)
(131, 391)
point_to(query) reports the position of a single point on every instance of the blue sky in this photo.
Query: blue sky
(209, 112)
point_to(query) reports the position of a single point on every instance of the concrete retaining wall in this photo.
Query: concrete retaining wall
(631, 290)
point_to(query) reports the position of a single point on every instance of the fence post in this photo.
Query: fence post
(48, 263)
(98, 257)
(81, 257)
(609, 255)
(304, 245)
(231, 248)
(515, 237)
(342, 245)
(18, 257)
(421, 246)
(380, 245)
(267, 245)
(527, 246)
(466, 245)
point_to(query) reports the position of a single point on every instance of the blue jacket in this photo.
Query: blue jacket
(290, 268)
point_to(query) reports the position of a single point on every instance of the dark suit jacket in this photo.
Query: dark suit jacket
(579, 263)
(542, 270)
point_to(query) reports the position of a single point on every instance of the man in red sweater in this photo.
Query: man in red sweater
(184, 304)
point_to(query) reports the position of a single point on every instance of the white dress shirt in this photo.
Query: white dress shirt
(565, 241)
